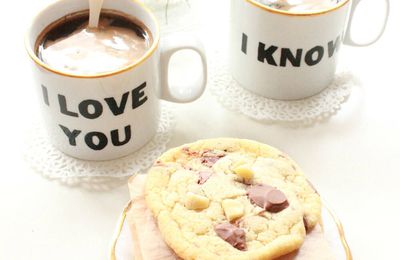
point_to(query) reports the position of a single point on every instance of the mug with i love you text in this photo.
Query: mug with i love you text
(109, 107)
(290, 53)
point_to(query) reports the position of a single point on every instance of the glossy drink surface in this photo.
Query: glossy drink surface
(70, 46)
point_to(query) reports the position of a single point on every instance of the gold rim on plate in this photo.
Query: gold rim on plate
(340, 229)
(117, 234)
(338, 223)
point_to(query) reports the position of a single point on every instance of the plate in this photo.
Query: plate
(122, 245)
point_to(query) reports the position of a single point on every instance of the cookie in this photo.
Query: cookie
(231, 199)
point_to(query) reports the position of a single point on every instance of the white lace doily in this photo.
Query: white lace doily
(53, 164)
(299, 112)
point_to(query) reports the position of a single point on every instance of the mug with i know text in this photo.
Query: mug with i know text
(290, 55)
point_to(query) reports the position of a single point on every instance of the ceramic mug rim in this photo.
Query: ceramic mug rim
(138, 62)
(287, 13)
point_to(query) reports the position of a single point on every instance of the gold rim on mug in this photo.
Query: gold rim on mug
(154, 46)
(338, 223)
(311, 13)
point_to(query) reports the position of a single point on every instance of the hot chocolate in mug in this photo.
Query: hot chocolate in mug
(112, 114)
(287, 55)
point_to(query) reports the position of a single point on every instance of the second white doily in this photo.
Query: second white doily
(297, 113)
(53, 164)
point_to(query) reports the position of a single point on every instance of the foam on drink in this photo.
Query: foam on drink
(299, 6)
(71, 46)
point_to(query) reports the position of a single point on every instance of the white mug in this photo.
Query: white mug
(110, 115)
(288, 56)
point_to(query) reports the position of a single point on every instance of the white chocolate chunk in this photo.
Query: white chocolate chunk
(237, 163)
(233, 209)
(244, 171)
(194, 201)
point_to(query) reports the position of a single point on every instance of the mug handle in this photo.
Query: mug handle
(348, 40)
(169, 46)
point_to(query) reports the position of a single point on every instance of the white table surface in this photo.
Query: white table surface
(353, 158)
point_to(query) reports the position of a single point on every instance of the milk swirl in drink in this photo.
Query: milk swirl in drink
(298, 6)
(88, 43)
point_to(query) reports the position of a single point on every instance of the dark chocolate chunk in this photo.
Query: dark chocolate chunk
(277, 201)
(203, 177)
(258, 194)
(209, 161)
(209, 158)
(268, 198)
(232, 234)
(189, 152)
